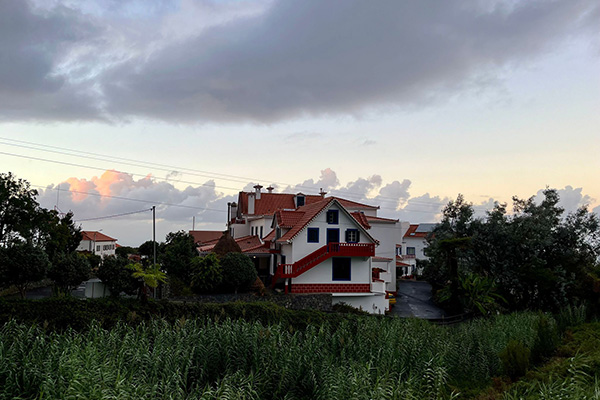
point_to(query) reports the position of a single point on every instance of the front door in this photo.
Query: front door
(333, 235)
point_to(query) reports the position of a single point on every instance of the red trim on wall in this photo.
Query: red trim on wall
(331, 288)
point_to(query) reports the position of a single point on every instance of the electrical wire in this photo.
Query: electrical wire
(113, 216)
(190, 171)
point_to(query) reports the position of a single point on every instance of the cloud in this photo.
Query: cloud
(263, 61)
(570, 198)
(114, 193)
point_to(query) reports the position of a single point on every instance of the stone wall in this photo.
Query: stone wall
(320, 301)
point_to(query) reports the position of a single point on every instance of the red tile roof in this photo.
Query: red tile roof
(380, 219)
(308, 213)
(412, 232)
(377, 258)
(288, 218)
(271, 202)
(201, 237)
(352, 205)
(248, 243)
(401, 264)
(270, 236)
(361, 218)
(96, 236)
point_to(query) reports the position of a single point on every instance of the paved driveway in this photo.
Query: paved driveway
(415, 300)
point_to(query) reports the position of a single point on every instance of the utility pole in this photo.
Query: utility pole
(154, 232)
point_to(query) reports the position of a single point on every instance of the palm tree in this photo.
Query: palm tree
(149, 276)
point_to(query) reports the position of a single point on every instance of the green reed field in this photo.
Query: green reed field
(364, 358)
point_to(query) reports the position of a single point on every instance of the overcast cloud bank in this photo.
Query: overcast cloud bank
(264, 61)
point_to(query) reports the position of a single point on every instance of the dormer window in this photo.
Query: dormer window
(333, 217)
(300, 200)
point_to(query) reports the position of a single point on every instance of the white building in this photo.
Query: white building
(97, 243)
(413, 247)
(323, 248)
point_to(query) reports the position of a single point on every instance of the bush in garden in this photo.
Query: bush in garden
(68, 271)
(207, 273)
(238, 272)
(114, 274)
(515, 359)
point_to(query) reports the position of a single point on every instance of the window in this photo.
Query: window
(282, 259)
(261, 232)
(399, 250)
(312, 235)
(410, 251)
(299, 201)
(98, 248)
(332, 216)
(341, 269)
(352, 236)
(252, 231)
(277, 233)
(333, 235)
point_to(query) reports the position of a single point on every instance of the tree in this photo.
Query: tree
(18, 209)
(22, 264)
(125, 251)
(238, 271)
(225, 245)
(60, 235)
(113, 272)
(177, 256)
(536, 258)
(207, 273)
(147, 249)
(149, 276)
(68, 271)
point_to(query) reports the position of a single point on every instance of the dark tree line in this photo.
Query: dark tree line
(36, 243)
(535, 258)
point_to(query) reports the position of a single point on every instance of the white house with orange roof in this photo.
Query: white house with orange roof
(97, 243)
(413, 247)
(323, 248)
(253, 215)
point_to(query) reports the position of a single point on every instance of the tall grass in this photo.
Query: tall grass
(360, 359)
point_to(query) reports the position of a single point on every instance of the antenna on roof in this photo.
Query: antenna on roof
(322, 193)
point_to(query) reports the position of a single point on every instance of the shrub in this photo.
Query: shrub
(68, 271)
(547, 339)
(114, 274)
(207, 273)
(515, 359)
(238, 272)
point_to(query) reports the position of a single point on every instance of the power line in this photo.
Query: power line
(206, 174)
(113, 216)
(161, 203)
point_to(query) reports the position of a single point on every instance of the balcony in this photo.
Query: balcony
(378, 286)
(322, 254)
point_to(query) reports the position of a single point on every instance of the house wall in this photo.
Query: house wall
(88, 245)
(374, 304)
(301, 246)
(388, 235)
(264, 222)
(360, 273)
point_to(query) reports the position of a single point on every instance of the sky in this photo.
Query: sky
(109, 107)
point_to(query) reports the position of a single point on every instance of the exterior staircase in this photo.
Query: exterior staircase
(318, 256)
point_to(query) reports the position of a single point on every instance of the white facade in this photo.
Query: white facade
(389, 234)
(97, 243)
(356, 288)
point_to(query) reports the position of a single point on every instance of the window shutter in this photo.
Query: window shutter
(347, 235)
(357, 236)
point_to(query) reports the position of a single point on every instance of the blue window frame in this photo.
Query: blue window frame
(312, 235)
(333, 217)
(341, 269)
(333, 235)
(352, 236)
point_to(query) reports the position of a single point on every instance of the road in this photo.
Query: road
(415, 300)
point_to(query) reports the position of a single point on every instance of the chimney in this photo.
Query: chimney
(251, 200)
(257, 191)
(270, 189)
(322, 193)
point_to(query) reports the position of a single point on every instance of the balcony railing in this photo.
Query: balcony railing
(322, 254)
